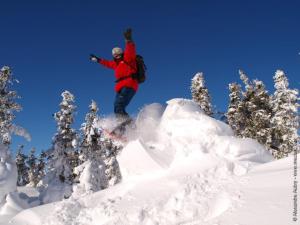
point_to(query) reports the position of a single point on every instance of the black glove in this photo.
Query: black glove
(94, 58)
(127, 34)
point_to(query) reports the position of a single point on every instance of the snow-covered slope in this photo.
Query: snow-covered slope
(182, 167)
(267, 196)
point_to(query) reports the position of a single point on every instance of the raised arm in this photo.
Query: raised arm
(129, 52)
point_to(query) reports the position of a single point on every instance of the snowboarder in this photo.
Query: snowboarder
(124, 65)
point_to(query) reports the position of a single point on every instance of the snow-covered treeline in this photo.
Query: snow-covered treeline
(84, 161)
(272, 120)
(252, 112)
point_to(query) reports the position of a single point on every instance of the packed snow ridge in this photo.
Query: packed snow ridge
(179, 167)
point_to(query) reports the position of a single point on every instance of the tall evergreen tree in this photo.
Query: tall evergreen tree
(262, 114)
(240, 107)
(41, 166)
(33, 168)
(234, 113)
(23, 177)
(112, 169)
(8, 107)
(256, 111)
(92, 169)
(62, 154)
(90, 135)
(285, 122)
(200, 94)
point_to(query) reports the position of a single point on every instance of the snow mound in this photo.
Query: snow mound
(16, 202)
(143, 162)
(8, 178)
(168, 137)
(180, 167)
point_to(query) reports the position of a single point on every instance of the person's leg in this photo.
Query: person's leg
(118, 104)
(122, 100)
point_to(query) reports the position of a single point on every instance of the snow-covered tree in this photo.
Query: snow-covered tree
(33, 168)
(100, 148)
(62, 156)
(285, 122)
(63, 152)
(262, 114)
(92, 170)
(112, 169)
(200, 94)
(41, 166)
(23, 177)
(256, 110)
(90, 135)
(234, 114)
(8, 107)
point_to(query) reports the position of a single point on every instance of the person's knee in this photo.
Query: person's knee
(128, 97)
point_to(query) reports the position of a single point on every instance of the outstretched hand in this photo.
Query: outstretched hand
(94, 58)
(128, 34)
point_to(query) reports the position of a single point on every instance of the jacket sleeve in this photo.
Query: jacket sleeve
(108, 63)
(129, 53)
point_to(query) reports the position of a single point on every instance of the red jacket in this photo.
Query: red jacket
(124, 67)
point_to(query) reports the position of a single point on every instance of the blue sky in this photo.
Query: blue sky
(48, 43)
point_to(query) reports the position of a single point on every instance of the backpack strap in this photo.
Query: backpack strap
(123, 78)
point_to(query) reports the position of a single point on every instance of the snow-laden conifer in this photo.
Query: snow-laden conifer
(91, 172)
(33, 168)
(104, 150)
(41, 165)
(255, 110)
(8, 107)
(285, 122)
(234, 113)
(200, 94)
(112, 169)
(90, 135)
(262, 114)
(64, 141)
(21, 158)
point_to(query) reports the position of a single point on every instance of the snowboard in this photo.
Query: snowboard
(118, 132)
(115, 137)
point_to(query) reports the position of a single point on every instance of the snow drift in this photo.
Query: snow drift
(180, 167)
(8, 179)
(170, 137)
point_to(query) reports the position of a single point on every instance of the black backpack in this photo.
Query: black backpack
(140, 74)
